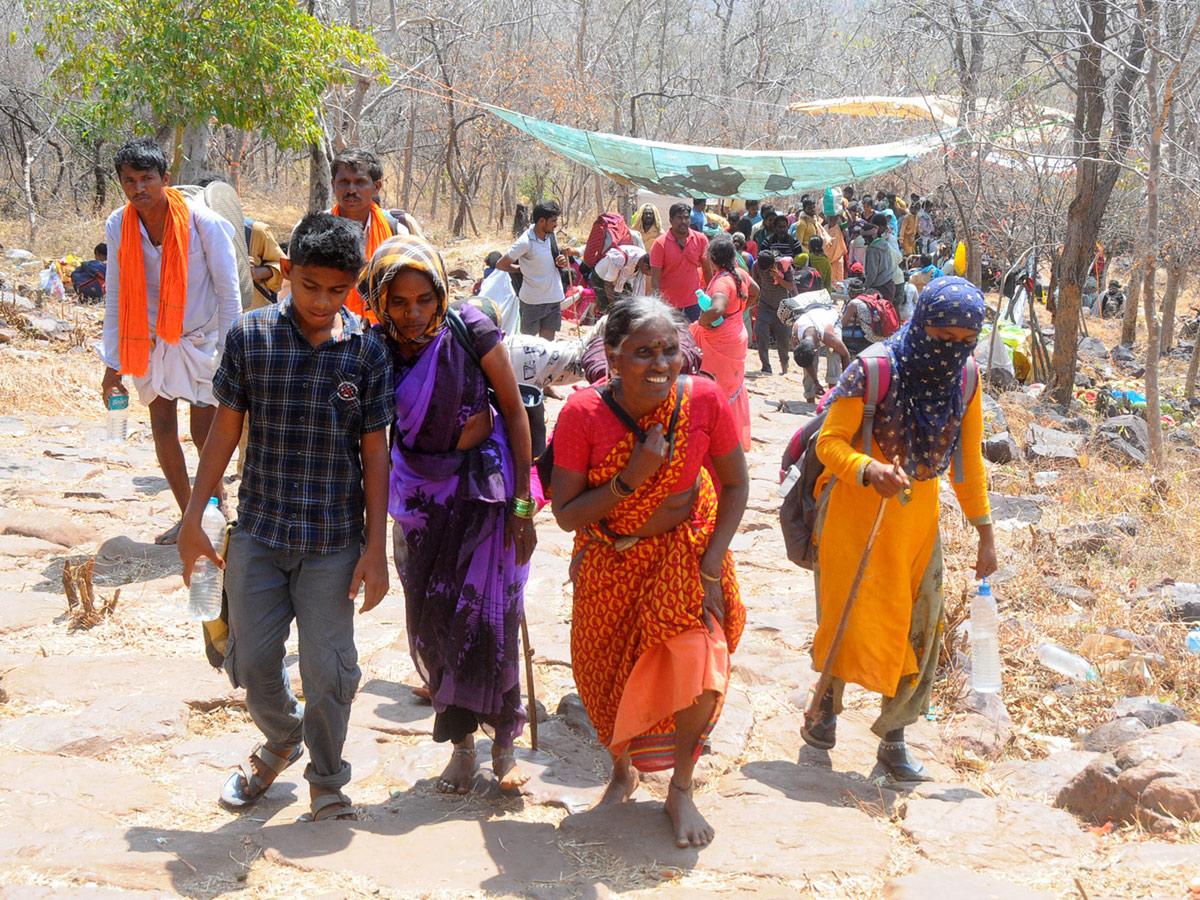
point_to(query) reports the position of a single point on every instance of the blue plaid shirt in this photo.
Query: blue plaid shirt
(302, 484)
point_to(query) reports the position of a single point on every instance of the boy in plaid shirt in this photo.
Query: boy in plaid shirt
(317, 387)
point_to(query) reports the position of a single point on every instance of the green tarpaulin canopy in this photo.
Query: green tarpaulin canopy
(681, 170)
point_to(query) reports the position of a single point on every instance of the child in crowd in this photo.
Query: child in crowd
(317, 388)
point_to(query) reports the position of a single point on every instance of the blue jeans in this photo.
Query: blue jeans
(267, 589)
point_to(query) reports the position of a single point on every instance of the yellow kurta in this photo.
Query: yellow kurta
(876, 651)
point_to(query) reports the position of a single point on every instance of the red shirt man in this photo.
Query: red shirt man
(678, 257)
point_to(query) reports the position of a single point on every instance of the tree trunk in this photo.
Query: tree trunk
(194, 148)
(30, 196)
(406, 195)
(1176, 275)
(177, 153)
(1096, 175)
(1133, 302)
(100, 173)
(1189, 386)
(319, 177)
(1153, 335)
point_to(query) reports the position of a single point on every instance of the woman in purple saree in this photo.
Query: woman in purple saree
(459, 496)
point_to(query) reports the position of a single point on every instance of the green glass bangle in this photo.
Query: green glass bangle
(523, 508)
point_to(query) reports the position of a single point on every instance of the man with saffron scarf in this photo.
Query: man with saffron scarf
(357, 178)
(170, 298)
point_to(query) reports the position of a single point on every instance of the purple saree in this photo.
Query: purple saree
(464, 592)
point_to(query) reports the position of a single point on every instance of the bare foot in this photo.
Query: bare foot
(506, 770)
(691, 828)
(170, 536)
(421, 692)
(456, 777)
(624, 782)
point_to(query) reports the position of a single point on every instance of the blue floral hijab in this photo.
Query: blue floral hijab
(920, 417)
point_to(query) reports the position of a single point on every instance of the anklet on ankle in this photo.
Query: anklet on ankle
(683, 790)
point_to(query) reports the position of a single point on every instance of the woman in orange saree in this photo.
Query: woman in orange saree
(656, 605)
(721, 334)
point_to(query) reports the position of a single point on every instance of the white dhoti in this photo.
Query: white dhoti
(182, 371)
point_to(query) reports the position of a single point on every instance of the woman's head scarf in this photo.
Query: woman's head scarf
(393, 256)
(921, 417)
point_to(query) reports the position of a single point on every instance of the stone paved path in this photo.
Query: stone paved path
(116, 741)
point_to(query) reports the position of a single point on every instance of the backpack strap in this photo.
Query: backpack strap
(877, 373)
(458, 329)
(970, 384)
(682, 385)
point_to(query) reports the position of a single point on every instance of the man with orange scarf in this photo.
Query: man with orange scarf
(171, 296)
(357, 178)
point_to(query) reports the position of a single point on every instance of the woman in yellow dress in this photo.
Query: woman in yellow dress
(924, 420)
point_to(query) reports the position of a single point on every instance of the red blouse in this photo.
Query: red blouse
(587, 431)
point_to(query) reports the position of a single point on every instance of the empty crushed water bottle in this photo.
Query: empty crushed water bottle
(118, 417)
(986, 672)
(1065, 662)
(1193, 641)
(204, 593)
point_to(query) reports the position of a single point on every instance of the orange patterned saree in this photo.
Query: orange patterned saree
(639, 646)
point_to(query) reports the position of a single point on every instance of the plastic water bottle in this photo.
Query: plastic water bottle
(118, 417)
(704, 301)
(985, 642)
(204, 595)
(1193, 641)
(1065, 662)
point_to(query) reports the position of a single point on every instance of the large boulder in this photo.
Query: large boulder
(1001, 448)
(1114, 735)
(1124, 440)
(1152, 780)
(986, 729)
(1179, 601)
(1018, 510)
(1150, 712)
(1093, 348)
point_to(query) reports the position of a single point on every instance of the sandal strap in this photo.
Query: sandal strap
(272, 760)
(324, 801)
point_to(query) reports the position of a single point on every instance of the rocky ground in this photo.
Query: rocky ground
(117, 734)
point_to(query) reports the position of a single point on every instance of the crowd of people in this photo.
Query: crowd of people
(361, 390)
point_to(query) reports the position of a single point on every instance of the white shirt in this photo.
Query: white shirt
(619, 266)
(541, 283)
(214, 297)
(820, 318)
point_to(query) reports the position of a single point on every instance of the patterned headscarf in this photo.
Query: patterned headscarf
(394, 254)
(920, 417)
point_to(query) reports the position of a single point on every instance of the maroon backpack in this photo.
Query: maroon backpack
(608, 231)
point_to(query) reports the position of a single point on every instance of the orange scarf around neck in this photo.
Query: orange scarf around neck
(378, 231)
(133, 311)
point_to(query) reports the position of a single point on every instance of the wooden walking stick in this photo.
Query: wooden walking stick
(529, 682)
(814, 715)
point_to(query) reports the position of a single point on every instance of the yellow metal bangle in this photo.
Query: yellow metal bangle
(710, 578)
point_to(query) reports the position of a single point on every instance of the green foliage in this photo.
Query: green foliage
(253, 64)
